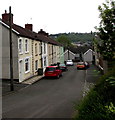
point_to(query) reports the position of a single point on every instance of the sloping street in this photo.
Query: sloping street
(47, 98)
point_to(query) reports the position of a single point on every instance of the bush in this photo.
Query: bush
(99, 104)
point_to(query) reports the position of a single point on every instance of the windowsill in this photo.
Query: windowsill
(20, 53)
(27, 71)
(26, 52)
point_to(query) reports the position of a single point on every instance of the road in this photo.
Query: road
(47, 98)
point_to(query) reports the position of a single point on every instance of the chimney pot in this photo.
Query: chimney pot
(5, 11)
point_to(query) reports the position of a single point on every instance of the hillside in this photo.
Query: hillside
(75, 37)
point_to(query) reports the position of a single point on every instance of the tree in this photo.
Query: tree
(64, 40)
(107, 30)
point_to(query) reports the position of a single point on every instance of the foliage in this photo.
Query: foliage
(75, 37)
(64, 40)
(99, 104)
(107, 30)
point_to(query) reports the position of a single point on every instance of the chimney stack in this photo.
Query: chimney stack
(6, 16)
(43, 32)
(29, 27)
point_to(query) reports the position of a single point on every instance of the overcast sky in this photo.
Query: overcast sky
(55, 16)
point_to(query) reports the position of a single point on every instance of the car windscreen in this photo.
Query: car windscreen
(61, 65)
(81, 63)
(50, 69)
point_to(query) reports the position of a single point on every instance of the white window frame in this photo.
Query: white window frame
(20, 46)
(26, 46)
(27, 58)
(44, 48)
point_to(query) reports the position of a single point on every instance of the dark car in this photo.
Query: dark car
(63, 67)
(87, 64)
(53, 71)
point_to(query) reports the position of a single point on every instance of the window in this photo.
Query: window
(36, 65)
(26, 65)
(36, 49)
(44, 61)
(26, 45)
(20, 45)
(44, 48)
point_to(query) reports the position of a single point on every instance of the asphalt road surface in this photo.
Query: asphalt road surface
(47, 98)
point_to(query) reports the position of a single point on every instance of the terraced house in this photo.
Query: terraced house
(31, 50)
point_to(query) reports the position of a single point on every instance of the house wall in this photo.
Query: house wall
(54, 54)
(49, 54)
(88, 56)
(36, 56)
(6, 53)
(57, 54)
(71, 55)
(61, 49)
(22, 59)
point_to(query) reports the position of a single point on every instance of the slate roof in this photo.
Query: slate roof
(33, 35)
(80, 49)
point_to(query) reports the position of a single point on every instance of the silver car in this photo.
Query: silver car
(69, 63)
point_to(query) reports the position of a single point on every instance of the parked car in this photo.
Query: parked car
(53, 71)
(81, 65)
(87, 64)
(63, 67)
(69, 63)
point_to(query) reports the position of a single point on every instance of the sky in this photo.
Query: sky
(55, 16)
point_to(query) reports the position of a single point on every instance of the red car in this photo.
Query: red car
(81, 65)
(53, 71)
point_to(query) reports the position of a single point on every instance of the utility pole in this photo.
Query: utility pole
(11, 56)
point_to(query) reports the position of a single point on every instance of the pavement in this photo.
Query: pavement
(92, 71)
(5, 85)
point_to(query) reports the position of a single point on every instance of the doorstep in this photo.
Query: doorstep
(33, 79)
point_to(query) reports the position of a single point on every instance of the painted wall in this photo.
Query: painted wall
(6, 53)
(36, 56)
(49, 54)
(22, 59)
(71, 55)
(88, 56)
(61, 49)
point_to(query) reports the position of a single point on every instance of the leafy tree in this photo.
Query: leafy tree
(75, 37)
(107, 30)
(64, 40)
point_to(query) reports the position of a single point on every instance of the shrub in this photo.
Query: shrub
(99, 104)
